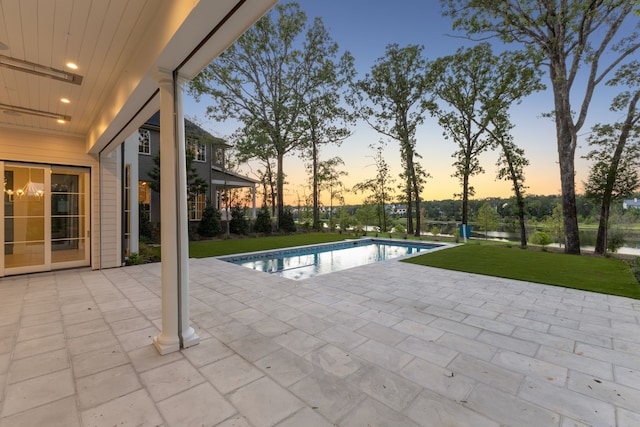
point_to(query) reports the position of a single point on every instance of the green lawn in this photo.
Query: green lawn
(596, 274)
(237, 246)
(603, 275)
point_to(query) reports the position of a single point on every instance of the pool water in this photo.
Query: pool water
(308, 261)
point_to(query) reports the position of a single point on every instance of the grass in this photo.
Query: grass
(211, 248)
(604, 275)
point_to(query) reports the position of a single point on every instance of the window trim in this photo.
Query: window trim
(142, 143)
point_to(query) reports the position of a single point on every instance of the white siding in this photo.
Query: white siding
(111, 212)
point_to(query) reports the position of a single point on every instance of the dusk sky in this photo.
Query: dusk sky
(364, 28)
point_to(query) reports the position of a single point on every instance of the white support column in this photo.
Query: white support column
(176, 331)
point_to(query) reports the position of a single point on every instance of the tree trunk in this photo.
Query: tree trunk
(409, 200)
(601, 238)
(523, 225)
(280, 188)
(316, 208)
(415, 188)
(607, 197)
(566, 135)
(569, 208)
(465, 199)
(272, 196)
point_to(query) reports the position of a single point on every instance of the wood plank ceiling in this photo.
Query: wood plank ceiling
(95, 34)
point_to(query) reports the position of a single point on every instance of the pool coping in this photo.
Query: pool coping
(248, 256)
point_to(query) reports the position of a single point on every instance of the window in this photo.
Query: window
(199, 151)
(196, 207)
(144, 141)
(219, 156)
(144, 193)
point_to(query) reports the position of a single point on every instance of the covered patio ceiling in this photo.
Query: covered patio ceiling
(117, 46)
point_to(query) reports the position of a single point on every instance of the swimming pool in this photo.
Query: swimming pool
(307, 261)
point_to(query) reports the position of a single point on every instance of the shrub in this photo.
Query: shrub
(434, 230)
(145, 255)
(263, 221)
(238, 223)
(210, 223)
(286, 222)
(615, 240)
(540, 238)
(399, 228)
(133, 259)
(144, 225)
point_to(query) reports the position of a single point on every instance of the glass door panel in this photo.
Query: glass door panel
(69, 217)
(25, 225)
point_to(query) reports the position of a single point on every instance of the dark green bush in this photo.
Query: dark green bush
(210, 223)
(238, 223)
(615, 240)
(286, 222)
(263, 221)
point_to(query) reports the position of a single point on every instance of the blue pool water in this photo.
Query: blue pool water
(307, 261)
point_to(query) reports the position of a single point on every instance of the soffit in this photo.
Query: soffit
(118, 45)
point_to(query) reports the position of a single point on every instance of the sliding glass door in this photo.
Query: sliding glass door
(25, 224)
(69, 215)
(46, 220)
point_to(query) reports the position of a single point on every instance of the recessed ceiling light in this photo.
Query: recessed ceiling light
(64, 100)
(61, 121)
(72, 65)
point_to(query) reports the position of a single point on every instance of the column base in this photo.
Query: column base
(166, 345)
(190, 338)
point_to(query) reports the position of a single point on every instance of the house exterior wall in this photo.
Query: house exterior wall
(49, 148)
(111, 224)
(145, 165)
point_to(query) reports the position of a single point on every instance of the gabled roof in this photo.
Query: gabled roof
(234, 176)
(191, 130)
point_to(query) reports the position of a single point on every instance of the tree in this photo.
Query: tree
(287, 224)
(477, 88)
(511, 163)
(614, 173)
(263, 221)
(379, 187)
(326, 120)
(328, 178)
(209, 225)
(555, 223)
(238, 223)
(487, 219)
(265, 79)
(397, 88)
(251, 143)
(569, 35)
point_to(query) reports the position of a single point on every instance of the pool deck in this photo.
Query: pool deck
(387, 344)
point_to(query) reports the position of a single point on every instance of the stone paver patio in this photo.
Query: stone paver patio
(389, 344)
